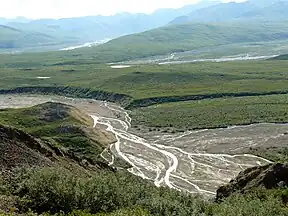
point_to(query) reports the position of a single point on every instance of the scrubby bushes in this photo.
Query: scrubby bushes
(260, 202)
(53, 190)
(60, 192)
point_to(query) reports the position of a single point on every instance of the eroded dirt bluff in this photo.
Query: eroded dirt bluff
(21, 149)
(32, 137)
(269, 176)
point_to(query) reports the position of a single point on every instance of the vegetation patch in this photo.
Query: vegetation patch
(142, 81)
(55, 190)
(214, 113)
(273, 154)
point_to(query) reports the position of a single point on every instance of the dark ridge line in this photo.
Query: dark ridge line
(170, 99)
(68, 91)
(124, 100)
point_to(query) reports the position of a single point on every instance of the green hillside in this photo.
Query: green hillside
(281, 57)
(177, 38)
(15, 38)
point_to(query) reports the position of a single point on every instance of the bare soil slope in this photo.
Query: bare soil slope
(21, 149)
(51, 134)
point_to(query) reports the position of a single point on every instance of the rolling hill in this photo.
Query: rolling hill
(185, 37)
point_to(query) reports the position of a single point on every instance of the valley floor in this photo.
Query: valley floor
(169, 159)
(177, 129)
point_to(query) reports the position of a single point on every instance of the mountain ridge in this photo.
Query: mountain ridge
(245, 11)
(185, 37)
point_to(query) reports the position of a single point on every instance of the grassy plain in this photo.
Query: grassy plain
(161, 84)
(146, 81)
(214, 113)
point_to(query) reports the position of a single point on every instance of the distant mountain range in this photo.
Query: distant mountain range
(251, 10)
(22, 33)
(15, 38)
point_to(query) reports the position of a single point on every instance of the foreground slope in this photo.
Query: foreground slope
(269, 176)
(19, 149)
(53, 131)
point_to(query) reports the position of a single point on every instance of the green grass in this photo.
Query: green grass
(273, 154)
(159, 84)
(214, 113)
(145, 81)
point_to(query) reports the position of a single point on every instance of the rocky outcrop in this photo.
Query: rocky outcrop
(269, 176)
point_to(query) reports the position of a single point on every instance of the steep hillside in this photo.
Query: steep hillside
(19, 149)
(178, 38)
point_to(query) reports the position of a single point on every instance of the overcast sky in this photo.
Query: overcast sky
(74, 8)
